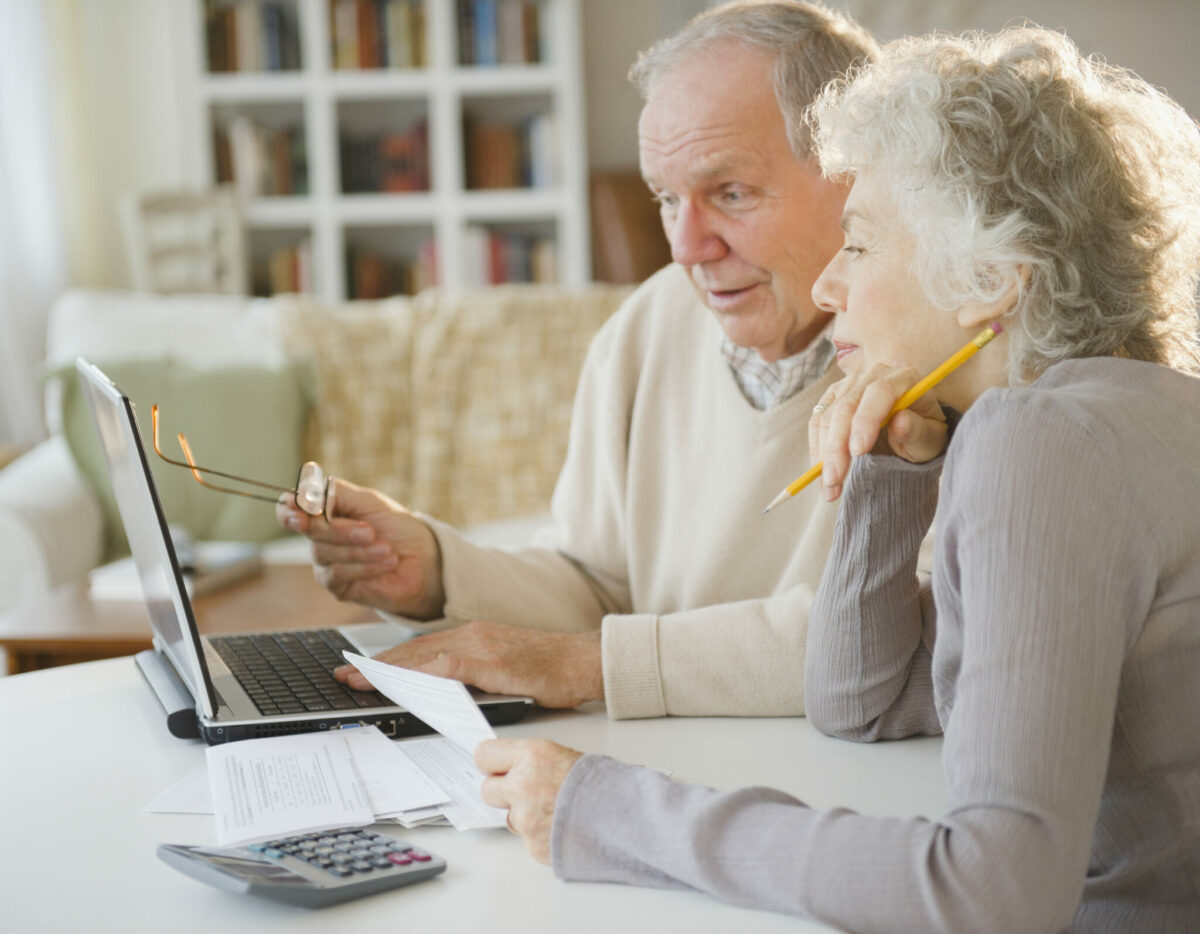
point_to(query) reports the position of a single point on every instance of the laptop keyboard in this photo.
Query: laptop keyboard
(292, 672)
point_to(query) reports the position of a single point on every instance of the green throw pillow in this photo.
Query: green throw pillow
(245, 420)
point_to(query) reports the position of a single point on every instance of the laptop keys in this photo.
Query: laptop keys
(292, 672)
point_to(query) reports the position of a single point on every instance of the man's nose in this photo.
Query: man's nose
(693, 237)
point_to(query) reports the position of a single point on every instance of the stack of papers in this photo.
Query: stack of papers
(265, 788)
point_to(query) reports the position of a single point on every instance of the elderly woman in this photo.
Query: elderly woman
(997, 179)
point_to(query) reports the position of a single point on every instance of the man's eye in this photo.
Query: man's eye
(666, 200)
(853, 250)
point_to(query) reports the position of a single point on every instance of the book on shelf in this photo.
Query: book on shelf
(495, 257)
(284, 269)
(386, 162)
(499, 32)
(404, 27)
(494, 154)
(251, 35)
(260, 161)
(405, 160)
(511, 155)
(377, 33)
(373, 273)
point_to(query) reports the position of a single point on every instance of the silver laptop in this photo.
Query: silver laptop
(205, 684)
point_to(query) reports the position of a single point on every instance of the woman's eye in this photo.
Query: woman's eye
(853, 250)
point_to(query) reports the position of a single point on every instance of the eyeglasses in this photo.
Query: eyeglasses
(311, 491)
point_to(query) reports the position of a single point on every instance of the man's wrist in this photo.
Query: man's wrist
(431, 604)
(595, 667)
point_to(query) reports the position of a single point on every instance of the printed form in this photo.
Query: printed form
(449, 759)
(264, 788)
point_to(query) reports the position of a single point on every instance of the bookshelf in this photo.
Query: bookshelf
(381, 146)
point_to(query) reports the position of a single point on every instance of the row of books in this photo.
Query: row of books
(252, 35)
(373, 273)
(499, 32)
(386, 162)
(284, 269)
(490, 257)
(377, 33)
(493, 257)
(261, 161)
(511, 155)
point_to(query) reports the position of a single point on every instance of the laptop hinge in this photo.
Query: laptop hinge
(171, 693)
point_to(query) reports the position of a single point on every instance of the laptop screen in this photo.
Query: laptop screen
(146, 528)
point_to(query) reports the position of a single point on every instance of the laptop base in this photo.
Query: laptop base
(171, 693)
(183, 723)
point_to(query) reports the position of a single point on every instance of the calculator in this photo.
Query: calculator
(311, 869)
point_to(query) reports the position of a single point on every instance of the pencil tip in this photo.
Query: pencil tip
(776, 501)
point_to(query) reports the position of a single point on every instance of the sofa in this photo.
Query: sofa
(456, 403)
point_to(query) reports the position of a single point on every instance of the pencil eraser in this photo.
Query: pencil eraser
(996, 329)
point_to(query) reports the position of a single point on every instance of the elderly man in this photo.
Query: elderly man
(661, 588)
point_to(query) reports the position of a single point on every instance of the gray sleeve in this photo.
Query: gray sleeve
(867, 668)
(1048, 594)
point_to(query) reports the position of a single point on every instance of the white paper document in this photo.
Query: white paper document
(453, 768)
(449, 759)
(395, 784)
(443, 703)
(264, 788)
(190, 795)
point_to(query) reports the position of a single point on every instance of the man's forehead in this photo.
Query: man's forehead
(702, 145)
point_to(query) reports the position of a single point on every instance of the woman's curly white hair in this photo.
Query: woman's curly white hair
(1012, 150)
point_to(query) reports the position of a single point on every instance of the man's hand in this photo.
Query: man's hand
(524, 775)
(556, 669)
(850, 417)
(369, 549)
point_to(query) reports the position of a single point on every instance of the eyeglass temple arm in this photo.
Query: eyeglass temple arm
(191, 465)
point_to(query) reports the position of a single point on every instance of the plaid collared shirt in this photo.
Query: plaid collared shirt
(768, 384)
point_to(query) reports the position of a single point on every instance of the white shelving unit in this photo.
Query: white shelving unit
(327, 102)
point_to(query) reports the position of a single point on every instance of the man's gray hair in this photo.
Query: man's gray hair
(811, 45)
(1011, 152)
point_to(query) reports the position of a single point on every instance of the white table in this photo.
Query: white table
(84, 747)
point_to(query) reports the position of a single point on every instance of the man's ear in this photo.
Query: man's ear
(977, 315)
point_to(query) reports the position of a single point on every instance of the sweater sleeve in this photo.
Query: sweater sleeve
(742, 659)
(1050, 588)
(867, 675)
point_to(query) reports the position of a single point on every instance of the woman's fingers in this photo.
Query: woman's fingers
(851, 417)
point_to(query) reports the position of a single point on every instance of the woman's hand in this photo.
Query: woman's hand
(850, 418)
(524, 775)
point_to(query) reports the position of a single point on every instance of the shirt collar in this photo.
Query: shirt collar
(769, 384)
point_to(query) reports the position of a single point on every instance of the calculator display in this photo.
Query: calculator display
(253, 870)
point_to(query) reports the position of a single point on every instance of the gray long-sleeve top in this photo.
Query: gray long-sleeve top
(1065, 674)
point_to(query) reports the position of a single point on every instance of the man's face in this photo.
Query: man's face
(753, 226)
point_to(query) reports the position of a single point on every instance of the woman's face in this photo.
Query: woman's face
(883, 316)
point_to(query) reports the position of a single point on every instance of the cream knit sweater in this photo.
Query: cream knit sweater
(657, 529)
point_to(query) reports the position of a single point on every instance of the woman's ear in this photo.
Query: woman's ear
(977, 315)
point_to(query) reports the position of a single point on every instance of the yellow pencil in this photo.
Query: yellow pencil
(949, 366)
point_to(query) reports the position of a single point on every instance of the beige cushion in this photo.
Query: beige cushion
(360, 356)
(494, 376)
